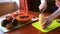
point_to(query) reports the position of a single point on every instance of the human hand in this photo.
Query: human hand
(43, 6)
(47, 22)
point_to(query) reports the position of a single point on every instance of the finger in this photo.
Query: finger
(46, 24)
(42, 8)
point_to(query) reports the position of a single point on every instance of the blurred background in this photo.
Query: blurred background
(8, 6)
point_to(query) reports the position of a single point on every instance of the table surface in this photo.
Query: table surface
(29, 29)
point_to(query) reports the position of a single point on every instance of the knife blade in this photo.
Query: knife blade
(40, 11)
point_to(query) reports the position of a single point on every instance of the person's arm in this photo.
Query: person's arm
(49, 19)
(43, 5)
(43, 1)
(55, 14)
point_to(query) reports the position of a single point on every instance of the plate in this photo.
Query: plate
(4, 29)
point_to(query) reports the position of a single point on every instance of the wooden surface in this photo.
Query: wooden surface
(7, 7)
(28, 29)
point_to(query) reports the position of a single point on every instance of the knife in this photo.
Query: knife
(40, 11)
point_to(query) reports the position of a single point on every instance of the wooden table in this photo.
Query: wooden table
(29, 29)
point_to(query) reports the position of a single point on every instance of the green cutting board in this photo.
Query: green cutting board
(54, 25)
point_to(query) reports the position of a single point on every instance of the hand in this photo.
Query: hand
(47, 22)
(43, 6)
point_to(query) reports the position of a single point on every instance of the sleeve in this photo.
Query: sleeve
(43, 1)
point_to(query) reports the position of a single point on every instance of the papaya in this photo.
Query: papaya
(41, 18)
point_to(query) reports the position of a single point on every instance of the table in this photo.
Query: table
(29, 29)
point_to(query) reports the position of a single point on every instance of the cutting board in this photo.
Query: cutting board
(51, 27)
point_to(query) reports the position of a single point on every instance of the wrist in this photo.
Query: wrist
(51, 17)
(55, 14)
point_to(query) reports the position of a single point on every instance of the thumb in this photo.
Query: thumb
(42, 8)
